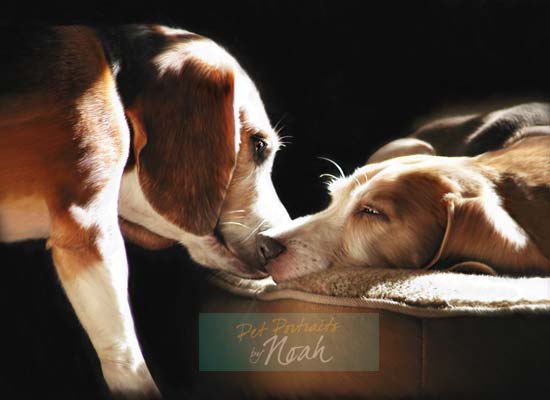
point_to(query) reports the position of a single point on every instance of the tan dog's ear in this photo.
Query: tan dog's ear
(477, 228)
(461, 216)
(185, 140)
(450, 202)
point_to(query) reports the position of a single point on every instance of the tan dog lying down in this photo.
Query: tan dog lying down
(425, 211)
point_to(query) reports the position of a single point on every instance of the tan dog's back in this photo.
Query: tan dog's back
(524, 185)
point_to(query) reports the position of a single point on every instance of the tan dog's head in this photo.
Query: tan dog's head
(203, 148)
(408, 212)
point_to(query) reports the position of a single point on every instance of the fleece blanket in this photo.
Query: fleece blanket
(413, 292)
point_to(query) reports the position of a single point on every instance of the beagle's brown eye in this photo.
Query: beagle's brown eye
(259, 147)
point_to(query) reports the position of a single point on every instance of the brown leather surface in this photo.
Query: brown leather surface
(466, 357)
(503, 357)
(400, 357)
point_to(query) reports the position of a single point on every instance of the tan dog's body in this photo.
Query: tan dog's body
(471, 134)
(424, 211)
(157, 126)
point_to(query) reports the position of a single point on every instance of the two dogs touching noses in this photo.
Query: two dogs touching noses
(410, 208)
(158, 135)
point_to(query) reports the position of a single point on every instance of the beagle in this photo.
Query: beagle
(486, 213)
(148, 130)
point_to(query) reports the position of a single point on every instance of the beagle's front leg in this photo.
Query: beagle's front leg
(89, 255)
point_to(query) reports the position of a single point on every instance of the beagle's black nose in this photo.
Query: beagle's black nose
(268, 248)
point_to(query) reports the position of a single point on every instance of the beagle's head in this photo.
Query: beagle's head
(203, 149)
(408, 212)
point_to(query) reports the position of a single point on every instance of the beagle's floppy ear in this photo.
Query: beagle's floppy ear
(185, 136)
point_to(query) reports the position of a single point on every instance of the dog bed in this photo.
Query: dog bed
(413, 292)
(440, 333)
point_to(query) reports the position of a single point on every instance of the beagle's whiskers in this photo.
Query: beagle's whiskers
(254, 231)
(278, 126)
(235, 223)
(282, 142)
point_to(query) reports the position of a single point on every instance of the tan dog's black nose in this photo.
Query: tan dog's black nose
(268, 248)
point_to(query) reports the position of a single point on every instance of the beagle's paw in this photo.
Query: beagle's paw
(130, 382)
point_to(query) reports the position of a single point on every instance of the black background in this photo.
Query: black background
(340, 77)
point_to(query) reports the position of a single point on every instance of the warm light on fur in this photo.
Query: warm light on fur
(157, 134)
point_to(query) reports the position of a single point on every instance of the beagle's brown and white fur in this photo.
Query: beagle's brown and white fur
(155, 131)
(488, 213)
